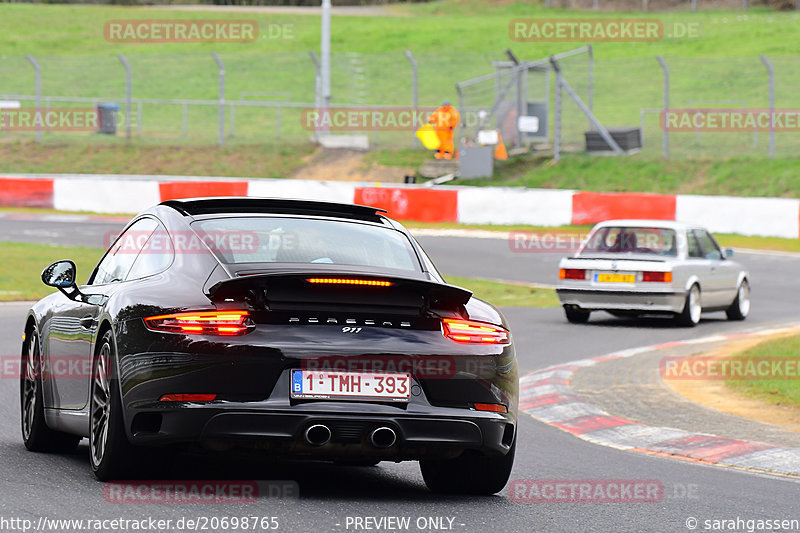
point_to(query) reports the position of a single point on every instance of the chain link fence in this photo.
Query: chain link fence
(178, 98)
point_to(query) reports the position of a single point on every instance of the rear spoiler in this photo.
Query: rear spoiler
(293, 291)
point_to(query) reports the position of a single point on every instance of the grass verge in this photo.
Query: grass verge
(782, 391)
(742, 176)
(726, 240)
(507, 294)
(21, 281)
(259, 161)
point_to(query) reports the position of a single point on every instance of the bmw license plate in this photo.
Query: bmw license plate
(608, 277)
(317, 385)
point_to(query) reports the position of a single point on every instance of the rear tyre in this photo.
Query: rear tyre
(692, 309)
(576, 315)
(469, 473)
(110, 454)
(35, 433)
(740, 307)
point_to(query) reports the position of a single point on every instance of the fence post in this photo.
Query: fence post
(596, 5)
(127, 96)
(414, 90)
(644, 5)
(557, 125)
(591, 80)
(694, 5)
(317, 89)
(325, 52)
(221, 127)
(665, 132)
(771, 74)
(744, 5)
(38, 71)
(185, 120)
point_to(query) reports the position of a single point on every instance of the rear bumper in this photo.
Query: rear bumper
(646, 301)
(438, 433)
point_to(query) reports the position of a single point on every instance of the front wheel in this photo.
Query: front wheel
(740, 307)
(36, 435)
(469, 473)
(692, 309)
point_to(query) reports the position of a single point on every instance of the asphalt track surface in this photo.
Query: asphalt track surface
(331, 496)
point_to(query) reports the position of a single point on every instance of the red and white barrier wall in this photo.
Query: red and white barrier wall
(779, 217)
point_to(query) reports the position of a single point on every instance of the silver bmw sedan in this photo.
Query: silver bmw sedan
(638, 267)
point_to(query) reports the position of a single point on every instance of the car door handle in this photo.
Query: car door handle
(87, 322)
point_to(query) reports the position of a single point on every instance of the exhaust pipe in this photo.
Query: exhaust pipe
(317, 435)
(383, 437)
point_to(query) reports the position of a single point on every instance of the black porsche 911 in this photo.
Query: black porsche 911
(302, 329)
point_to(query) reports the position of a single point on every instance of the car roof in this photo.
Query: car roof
(639, 223)
(253, 205)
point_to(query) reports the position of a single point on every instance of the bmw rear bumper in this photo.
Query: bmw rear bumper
(633, 300)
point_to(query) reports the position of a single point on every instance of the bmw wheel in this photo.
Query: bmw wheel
(740, 307)
(692, 309)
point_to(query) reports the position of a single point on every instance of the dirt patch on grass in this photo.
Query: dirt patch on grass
(714, 393)
(347, 165)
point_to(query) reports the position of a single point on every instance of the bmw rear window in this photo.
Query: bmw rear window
(632, 240)
(239, 240)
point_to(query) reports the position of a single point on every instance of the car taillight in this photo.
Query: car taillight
(664, 277)
(351, 281)
(491, 407)
(572, 273)
(187, 398)
(202, 322)
(473, 332)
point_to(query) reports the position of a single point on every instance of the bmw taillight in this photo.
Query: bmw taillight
(202, 322)
(572, 273)
(664, 277)
(473, 332)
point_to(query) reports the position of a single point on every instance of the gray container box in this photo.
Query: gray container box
(475, 162)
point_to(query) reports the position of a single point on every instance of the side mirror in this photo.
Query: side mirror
(60, 274)
(728, 253)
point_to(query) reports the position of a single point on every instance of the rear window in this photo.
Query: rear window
(300, 240)
(632, 240)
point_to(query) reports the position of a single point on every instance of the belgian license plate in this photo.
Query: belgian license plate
(606, 277)
(312, 384)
